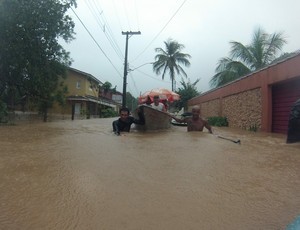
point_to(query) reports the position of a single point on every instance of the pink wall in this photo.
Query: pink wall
(286, 70)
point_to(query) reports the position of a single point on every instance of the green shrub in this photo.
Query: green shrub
(253, 128)
(109, 112)
(217, 121)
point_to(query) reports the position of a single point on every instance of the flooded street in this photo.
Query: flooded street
(78, 175)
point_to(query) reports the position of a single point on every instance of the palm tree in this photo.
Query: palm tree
(244, 59)
(171, 60)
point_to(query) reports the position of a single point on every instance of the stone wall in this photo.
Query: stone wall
(211, 108)
(243, 110)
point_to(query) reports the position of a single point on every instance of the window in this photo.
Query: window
(78, 84)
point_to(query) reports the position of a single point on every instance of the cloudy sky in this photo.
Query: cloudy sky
(205, 27)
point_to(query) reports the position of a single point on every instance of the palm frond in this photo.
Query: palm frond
(241, 52)
(180, 71)
(182, 58)
(223, 78)
(246, 58)
(228, 70)
(222, 64)
(171, 59)
(274, 45)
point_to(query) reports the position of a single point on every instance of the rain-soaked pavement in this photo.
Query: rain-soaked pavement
(78, 175)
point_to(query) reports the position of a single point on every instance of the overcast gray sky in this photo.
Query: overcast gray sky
(205, 27)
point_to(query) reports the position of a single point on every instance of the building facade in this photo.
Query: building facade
(85, 98)
(261, 100)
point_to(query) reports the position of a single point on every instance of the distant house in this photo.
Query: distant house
(85, 98)
(112, 95)
(261, 100)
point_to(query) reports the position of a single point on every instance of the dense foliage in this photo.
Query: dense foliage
(217, 121)
(244, 59)
(187, 91)
(108, 112)
(31, 58)
(107, 87)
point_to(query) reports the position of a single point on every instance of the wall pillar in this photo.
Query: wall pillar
(266, 117)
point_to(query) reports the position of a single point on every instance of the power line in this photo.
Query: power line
(136, 89)
(103, 24)
(126, 13)
(153, 77)
(95, 13)
(117, 15)
(159, 31)
(118, 50)
(96, 42)
(137, 15)
(111, 34)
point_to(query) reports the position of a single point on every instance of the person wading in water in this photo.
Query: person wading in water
(195, 122)
(123, 124)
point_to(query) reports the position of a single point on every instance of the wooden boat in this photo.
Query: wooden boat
(184, 115)
(154, 119)
(173, 122)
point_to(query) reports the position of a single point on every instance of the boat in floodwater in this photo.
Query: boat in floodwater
(154, 119)
(182, 116)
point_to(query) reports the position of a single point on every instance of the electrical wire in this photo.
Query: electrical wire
(126, 13)
(136, 89)
(98, 14)
(137, 15)
(102, 22)
(115, 8)
(96, 42)
(160, 31)
(153, 77)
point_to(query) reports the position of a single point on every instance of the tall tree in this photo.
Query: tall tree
(31, 58)
(187, 91)
(244, 59)
(171, 59)
(107, 87)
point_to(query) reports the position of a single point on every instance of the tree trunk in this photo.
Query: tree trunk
(45, 114)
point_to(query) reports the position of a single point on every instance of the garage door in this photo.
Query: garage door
(283, 97)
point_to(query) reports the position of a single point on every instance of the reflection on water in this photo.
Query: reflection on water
(78, 175)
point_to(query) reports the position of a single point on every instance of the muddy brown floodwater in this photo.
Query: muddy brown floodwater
(78, 175)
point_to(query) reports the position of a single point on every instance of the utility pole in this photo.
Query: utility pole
(125, 65)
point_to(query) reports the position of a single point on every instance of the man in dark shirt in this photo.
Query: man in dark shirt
(125, 121)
